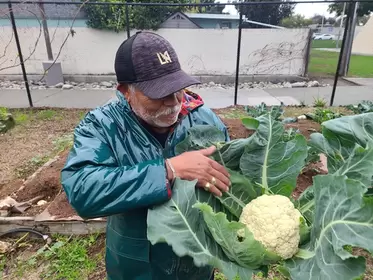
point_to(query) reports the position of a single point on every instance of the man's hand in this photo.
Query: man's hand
(196, 165)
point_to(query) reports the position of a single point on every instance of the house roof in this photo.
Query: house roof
(183, 14)
(212, 16)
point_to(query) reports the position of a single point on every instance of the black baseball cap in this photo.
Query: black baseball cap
(148, 61)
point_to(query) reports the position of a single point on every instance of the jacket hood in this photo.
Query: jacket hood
(190, 102)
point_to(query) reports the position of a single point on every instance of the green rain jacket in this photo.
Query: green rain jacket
(116, 169)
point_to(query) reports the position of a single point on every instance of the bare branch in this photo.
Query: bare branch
(34, 47)
(70, 32)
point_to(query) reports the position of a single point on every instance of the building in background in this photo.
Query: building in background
(363, 42)
(201, 20)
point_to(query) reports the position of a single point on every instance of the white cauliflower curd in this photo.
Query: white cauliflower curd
(275, 222)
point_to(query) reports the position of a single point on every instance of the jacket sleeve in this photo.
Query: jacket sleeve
(96, 186)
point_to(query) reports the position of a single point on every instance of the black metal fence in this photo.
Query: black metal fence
(76, 10)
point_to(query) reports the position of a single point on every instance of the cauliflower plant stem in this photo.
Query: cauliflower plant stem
(281, 236)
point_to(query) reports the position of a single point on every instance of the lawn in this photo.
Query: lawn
(329, 44)
(325, 63)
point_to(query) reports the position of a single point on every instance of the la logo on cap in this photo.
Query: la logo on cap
(164, 58)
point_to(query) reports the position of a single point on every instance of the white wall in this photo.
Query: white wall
(201, 51)
(363, 42)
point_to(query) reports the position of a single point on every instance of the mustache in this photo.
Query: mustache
(168, 111)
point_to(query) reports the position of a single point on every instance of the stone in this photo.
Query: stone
(74, 84)
(302, 117)
(42, 87)
(287, 85)
(5, 247)
(211, 84)
(105, 84)
(59, 85)
(41, 202)
(313, 84)
(67, 87)
(299, 84)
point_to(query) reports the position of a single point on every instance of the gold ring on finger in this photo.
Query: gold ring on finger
(207, 186)
(213, 181)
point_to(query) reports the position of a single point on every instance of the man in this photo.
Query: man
(123, 160)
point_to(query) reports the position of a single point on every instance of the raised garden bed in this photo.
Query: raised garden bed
(51, 207)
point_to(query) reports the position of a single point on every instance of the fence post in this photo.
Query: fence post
(238, 56)
(20, 53)
(349, 13)
(128, 21)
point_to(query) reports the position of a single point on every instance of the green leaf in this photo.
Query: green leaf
(271, 162)
(250, 123)
(229, 154)
(181, 226)
(200, 137)
(341, 136)
(305, 231)
(242, 192)
(342, 217)
(248, 252)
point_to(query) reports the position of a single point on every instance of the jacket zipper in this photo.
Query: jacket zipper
(161, 149)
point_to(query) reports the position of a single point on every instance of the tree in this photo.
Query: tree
(205, 9)
(365, 8)
(318, 19)
(270, 14)
(113, 17)
(295, 21)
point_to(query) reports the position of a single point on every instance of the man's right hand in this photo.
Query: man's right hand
(197, 165)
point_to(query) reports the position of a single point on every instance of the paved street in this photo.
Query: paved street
(214, 97)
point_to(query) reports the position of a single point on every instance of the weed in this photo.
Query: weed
(46, 114)
(64, 142)
(319, 102)
(67, 258)
(31, 166)
(21, 118)
(322, 115)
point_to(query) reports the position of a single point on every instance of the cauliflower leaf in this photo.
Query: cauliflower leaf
(271, 162)
(245, 251)
(342, 216)
(181, 226)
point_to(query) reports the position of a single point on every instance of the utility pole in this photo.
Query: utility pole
(341, 24)
(46, 31)
(352, 18)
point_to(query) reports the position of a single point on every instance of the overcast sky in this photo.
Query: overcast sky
(308, 10)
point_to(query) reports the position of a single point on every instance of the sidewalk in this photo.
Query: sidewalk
(214, 97)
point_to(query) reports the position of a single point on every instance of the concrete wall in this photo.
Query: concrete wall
(363, 42)
(52, 11)
(201, 51)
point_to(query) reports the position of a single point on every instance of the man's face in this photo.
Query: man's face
(156, 112)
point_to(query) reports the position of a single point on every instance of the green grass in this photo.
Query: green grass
(69, 258)
(325, 63)
(329, 44)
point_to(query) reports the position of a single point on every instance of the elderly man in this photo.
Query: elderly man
(123, 159)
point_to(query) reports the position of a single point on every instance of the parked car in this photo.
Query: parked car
(324, 37)
(315, 35)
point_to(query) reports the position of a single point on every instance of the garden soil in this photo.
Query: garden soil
(61, 208)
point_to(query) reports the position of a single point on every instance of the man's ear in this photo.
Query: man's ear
(124, 89)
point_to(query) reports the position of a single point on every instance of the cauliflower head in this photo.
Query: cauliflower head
(275, 222)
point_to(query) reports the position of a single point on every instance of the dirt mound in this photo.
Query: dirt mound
(45, 183)
(236, 129)
(61, 208)
(305, 179)
(306, 127)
